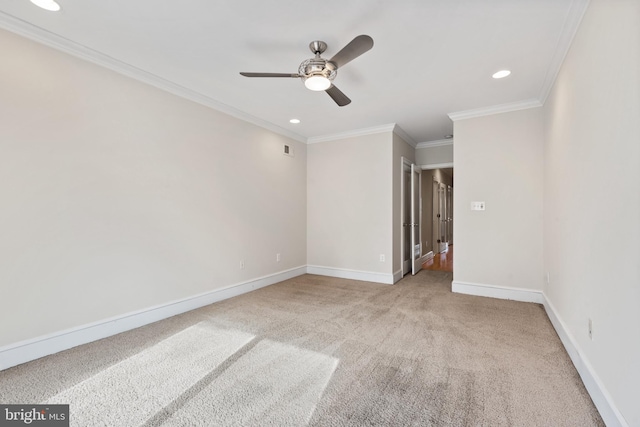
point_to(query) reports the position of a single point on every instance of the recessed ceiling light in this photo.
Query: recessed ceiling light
(294, 121)
(47, 5)
(501, 74)
(448, 136)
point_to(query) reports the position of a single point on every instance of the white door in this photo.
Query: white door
(441, 241)
(406, 217)
(416, 213)
(435, 217)
(449, 215)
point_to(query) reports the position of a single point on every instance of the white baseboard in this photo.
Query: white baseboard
(599, 394)
(482, 290)
(366, 276)
(25, 351)
(426, 257)
(397, 276)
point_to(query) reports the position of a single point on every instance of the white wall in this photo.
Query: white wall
(589, 129)
(592, 197)
(436, 155)
(116, 196)
(349, 211)
(499, 159)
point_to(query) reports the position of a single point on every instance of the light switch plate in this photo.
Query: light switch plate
(477, 206)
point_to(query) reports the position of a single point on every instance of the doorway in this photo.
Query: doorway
(441, 262)
(437, 219)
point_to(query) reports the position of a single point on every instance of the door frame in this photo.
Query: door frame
(416, 219)
(405, 265)
(406, 162)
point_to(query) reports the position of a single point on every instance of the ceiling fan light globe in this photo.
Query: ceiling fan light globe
(317, 83)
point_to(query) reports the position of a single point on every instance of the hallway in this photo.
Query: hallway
(441, 262)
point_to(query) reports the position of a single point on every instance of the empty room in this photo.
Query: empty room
(193, 234)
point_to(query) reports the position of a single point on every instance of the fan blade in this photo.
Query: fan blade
(355, 48)
(270, 75)
(337, 95)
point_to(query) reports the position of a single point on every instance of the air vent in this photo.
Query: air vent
(287, 150)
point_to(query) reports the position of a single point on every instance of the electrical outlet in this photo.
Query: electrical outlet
(242, 264)
(278, 257)
(381, 257)
(590, 330)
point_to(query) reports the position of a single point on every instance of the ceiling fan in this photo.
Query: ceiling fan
(318, 73)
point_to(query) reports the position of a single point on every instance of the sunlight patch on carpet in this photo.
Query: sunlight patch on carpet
(272, 384)
(131, 391)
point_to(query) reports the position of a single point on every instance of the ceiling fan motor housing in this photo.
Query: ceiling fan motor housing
(317, 67)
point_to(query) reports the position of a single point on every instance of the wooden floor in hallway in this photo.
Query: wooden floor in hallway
(441, 262)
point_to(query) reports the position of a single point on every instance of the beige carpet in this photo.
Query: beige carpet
(322, 351)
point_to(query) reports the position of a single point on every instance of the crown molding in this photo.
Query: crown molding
(432, 166)
(42, 36)
(62, 44)
(392, 127)
(352, 133)
(437, 143)
(404, 135)
(495, 109)
(569, 29)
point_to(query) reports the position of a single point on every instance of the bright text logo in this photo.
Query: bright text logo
(34, 415)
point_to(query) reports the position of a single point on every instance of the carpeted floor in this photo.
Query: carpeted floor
(325, 352)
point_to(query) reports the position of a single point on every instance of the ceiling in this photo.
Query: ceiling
(430, 57)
